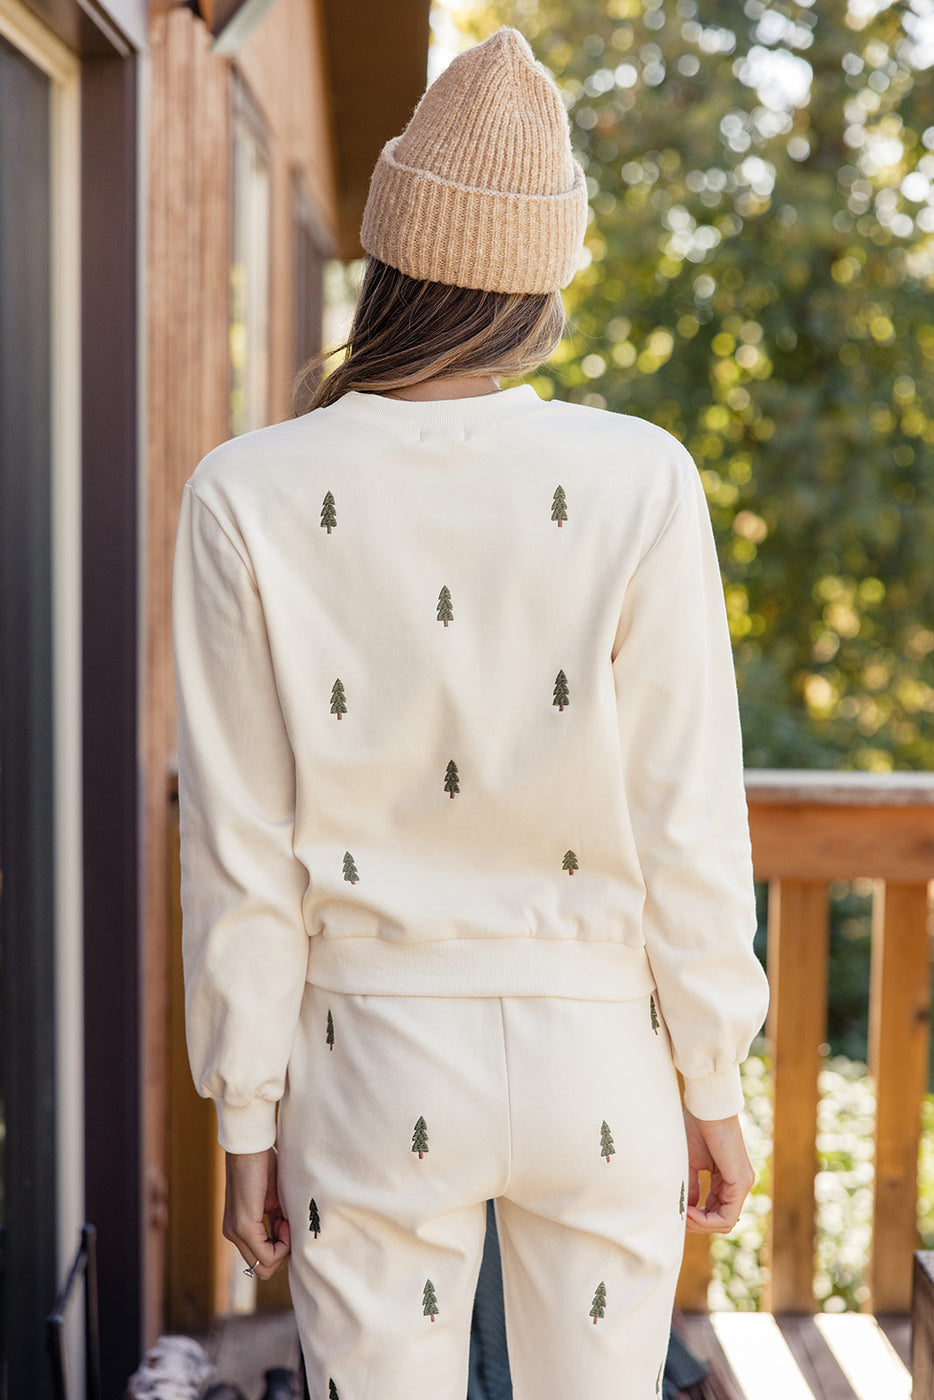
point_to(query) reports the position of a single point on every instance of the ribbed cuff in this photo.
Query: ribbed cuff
(249, 1129)
(715, 1095)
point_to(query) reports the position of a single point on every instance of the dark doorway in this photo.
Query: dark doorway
(27, 892)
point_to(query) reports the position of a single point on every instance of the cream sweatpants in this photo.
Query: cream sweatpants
(402, 1115)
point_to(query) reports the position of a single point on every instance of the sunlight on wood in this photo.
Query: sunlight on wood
(865, 1356)
(759, 1356)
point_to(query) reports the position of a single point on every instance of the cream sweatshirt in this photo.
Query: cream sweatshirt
(457, 717)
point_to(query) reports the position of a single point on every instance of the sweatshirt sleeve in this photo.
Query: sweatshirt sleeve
(683, 772)
(244, 943)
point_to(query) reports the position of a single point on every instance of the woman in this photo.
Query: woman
(465, 856)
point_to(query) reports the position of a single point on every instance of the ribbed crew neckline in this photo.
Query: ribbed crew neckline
(433, 415)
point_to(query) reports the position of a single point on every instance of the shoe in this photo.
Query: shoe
(282, 1384)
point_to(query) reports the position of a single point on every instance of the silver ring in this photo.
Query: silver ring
(249, 1272)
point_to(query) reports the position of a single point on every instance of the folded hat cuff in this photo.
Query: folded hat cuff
(440, 231)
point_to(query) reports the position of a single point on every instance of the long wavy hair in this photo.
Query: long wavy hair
(405, 330)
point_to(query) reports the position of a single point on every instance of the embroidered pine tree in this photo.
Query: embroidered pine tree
(429, 1301)
(559, 506)
(654, 1011)
(328, 513)
(330, 1031)
(338, 699)
(561, 697)
(598, 1308)
(420, 1138)
(451, 783)
(332, 1390)
(445, 606)
(314, 1220)
(570, 862)
(681, 1202)
(607, 1149)
(350, 870)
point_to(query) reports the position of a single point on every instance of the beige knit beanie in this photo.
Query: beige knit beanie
(481, 189)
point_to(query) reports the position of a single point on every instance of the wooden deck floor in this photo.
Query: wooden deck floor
(843, 1356)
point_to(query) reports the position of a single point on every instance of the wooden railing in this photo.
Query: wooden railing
(809, 829)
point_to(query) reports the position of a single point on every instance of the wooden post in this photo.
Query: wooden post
(797, 959)
(899, 1009)
(694, 1279)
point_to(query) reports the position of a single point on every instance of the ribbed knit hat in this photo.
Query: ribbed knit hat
(481, 189)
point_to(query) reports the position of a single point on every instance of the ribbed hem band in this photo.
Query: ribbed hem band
(481, 967)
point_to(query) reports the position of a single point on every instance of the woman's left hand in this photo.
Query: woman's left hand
(252, 1194)
(716, 1146)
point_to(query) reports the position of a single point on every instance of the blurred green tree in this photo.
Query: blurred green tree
(759, 270)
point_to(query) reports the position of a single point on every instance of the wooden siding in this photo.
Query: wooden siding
(186, 416)
(283, 68)
(187, 281)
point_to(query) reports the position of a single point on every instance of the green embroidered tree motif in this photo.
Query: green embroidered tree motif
(330, 1031)
(338, 699)
(681, 1203)
(559, 506)
(652, 1008)
(350, 870)
(570, 862)
(598, 1308)
(332, 1390)
(314, 1220)
(607, 1149)
(451, 783)
(445, 606)
(429, 1301)
(328, 513)
(420, 1138)
(562, 697)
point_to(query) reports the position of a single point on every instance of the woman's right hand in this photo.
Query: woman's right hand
(716, 1145)
(252, 1194)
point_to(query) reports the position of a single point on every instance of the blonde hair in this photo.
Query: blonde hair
(405, 331)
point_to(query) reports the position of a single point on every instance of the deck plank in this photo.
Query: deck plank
(897, 1327)
(760, 1357)
(698, 1334)
(865, 1355)
(815, 1358)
